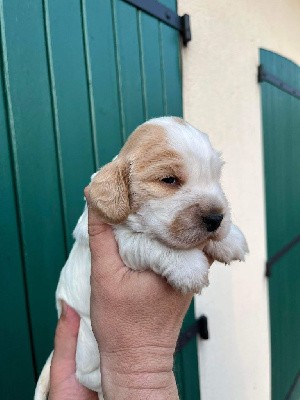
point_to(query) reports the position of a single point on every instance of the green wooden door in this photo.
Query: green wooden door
(76, 78)
(281, 131)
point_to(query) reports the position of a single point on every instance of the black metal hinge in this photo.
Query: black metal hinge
(265, 76)
(276, 257)
(166, 15)
(198, 327)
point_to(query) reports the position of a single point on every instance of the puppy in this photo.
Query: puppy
(163, 197)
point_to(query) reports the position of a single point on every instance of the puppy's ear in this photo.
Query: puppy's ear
(109, 192)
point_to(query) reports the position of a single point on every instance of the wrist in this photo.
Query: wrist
(138, 374)
(146, 385)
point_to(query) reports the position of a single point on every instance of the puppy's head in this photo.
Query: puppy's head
(166, 183)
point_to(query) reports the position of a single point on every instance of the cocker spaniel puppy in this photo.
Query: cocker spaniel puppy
(163, 197)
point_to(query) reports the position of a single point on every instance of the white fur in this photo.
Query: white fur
(141, 241)
(187, 270)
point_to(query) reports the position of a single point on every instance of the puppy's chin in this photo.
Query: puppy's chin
(188, 239)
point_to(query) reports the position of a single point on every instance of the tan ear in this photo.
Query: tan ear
(109, 192)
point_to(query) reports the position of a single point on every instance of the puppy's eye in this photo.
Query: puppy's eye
(170, 180)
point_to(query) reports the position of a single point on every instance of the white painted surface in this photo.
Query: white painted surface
(222, 98)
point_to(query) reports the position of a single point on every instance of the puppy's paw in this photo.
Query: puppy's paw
(232, 247)
(188, 272)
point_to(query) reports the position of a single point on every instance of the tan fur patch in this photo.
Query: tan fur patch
(145, 136)
(151, 159)
(136, 174)
(190, 217)
(189, 226)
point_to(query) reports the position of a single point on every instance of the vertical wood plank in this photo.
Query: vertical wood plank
(126, 28)
(90, 86)
(103, 69)
(170, 51)
(149, 33)
(57, 133)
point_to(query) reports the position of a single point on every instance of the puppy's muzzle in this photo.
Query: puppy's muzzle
(212, 221)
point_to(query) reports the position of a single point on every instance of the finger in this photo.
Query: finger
(63, 362)
(96, 224)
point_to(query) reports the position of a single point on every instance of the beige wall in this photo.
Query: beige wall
(222, 98)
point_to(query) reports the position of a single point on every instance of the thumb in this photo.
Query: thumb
(104, 249)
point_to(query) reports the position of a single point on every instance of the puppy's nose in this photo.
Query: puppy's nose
(212, 221)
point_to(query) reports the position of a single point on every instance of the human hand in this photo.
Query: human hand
(64, 385)
(136, 319)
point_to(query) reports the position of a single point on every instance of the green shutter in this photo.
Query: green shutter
(281, 134)
(76, 78)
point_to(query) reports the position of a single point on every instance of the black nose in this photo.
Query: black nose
(212, 221)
